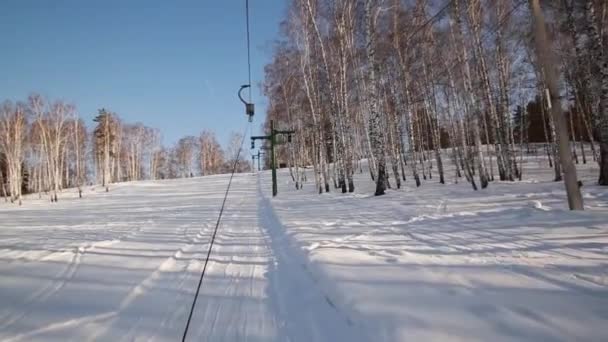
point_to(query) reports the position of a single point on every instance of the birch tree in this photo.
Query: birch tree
(13, 126)
(600, 56)
(211, 156)
(52, 120)
(375, 117)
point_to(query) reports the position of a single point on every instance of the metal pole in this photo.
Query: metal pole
(273, 141)
(575, 200)
(272, 159)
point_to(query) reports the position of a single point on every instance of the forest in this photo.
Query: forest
(409, 85)
(45, 147)
(413, 85)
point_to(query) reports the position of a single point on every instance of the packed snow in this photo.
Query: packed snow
(437, 263)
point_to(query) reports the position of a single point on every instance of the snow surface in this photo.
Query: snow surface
(437, 263)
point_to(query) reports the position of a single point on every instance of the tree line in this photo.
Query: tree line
(45, 147)
(414, 84)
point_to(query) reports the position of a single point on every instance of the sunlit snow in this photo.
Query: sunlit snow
(437, 263)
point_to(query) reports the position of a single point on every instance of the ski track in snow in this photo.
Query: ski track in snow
(96, 270)
(434, 264)
(444, 263)
(130, 275)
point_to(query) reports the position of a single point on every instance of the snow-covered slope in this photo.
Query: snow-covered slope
(124, 266)
(445, 263)
(437, 263)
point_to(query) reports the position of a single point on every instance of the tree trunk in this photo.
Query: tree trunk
(375, 119)
(575, 200)
(601, 59)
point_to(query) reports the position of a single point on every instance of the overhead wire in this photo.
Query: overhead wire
(248, 47)
(248, 60)
(234, 167)
(484, 37)
(430, 20)
(215, 230)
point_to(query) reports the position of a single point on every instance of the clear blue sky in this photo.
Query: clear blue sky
(173, 65)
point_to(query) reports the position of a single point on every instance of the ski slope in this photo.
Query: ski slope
(124, 265)
(437, 263)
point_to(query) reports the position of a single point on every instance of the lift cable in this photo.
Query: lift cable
(429, 21)
(234, 167)
(249, 111)
(501, 22)
(217, 224)
(248, 47)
